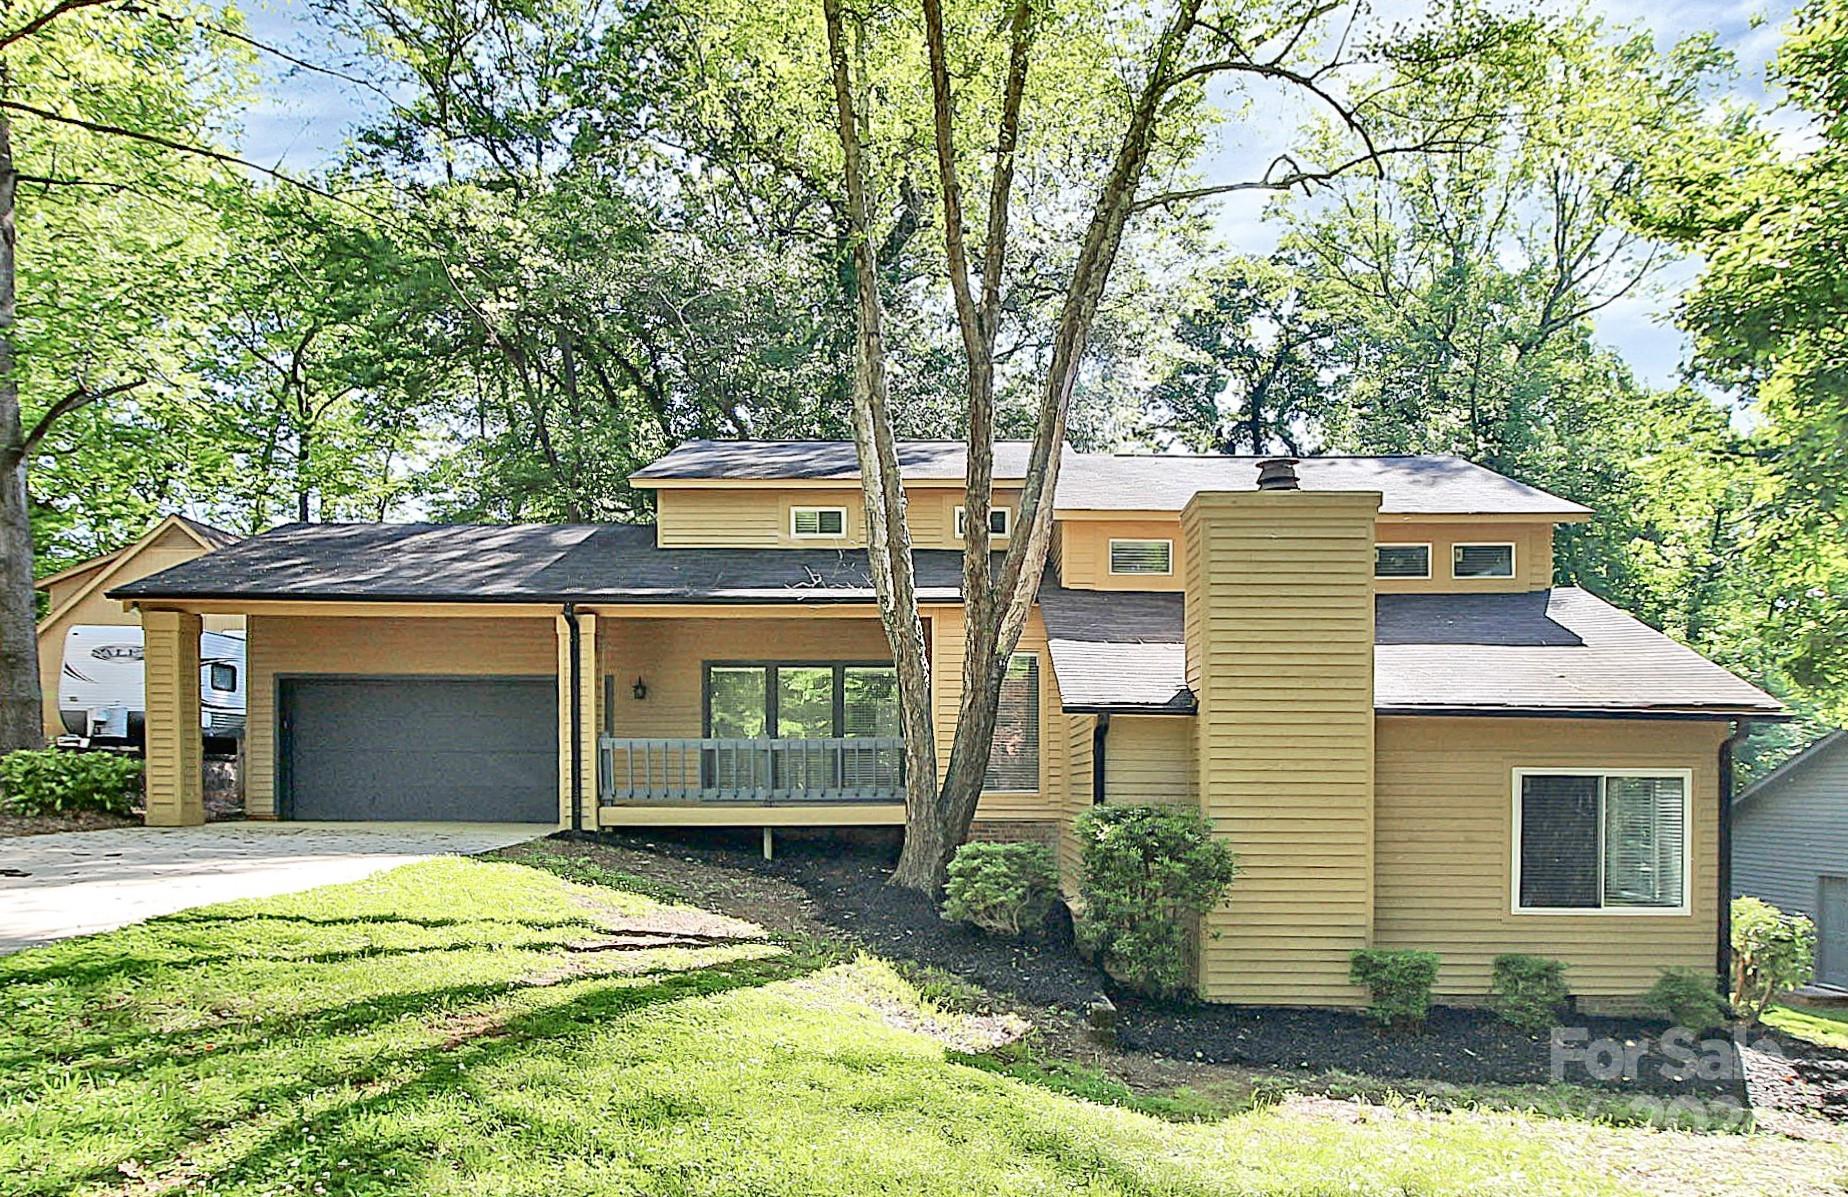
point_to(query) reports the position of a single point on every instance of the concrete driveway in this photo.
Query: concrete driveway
(78, 882)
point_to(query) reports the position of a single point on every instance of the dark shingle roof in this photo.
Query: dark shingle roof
(216, 538)
(1559, 651)
(522, 563)
(1431, 485)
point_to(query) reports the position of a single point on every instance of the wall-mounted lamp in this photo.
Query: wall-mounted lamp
(640, 689)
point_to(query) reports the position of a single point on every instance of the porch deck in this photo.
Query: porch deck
(717, 781)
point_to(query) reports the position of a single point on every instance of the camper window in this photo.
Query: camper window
(224, 677)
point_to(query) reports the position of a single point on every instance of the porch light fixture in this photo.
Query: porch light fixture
(640, 689)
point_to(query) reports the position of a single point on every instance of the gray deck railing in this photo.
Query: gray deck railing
(840, 769)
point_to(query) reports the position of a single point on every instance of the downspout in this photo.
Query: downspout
(1100, 735)
(1722, 957)
(577, 719)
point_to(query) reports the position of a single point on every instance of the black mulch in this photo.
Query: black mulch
(847, 882)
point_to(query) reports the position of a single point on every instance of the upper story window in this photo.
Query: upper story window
(1594, 840)
(1402, 561)
(818, 521)
(1013, 759)
(1482, 561)
(1141, 556)
(1000, 522)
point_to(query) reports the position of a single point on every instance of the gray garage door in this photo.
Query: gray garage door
(480, 749)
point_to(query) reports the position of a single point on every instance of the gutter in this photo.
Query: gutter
(577, 719)
(1722, 954)
(1100, 737)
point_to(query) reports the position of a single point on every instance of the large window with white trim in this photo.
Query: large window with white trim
(818, 521)
(1000, 522)
(1401, 560)
(1141, 556)
(1590, 840)
(1482, 561)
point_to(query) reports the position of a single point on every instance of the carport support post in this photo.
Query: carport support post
(579, 800)
(175, 743)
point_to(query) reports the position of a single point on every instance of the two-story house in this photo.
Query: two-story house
(1360, 670)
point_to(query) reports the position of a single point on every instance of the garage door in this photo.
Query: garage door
(479, 749)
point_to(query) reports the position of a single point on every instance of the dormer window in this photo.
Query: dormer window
(1000, 519)
(817, 521)
(1402, 561)
(1482, 561)
(1141, 556)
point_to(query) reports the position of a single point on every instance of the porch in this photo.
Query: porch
(754, 782)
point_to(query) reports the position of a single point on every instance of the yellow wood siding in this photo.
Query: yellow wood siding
(72, 607)
(758, 516)
(402, 644)
(1150, 759)
(174, 750)
(589, 718)
(1279, 629)
(1533, 554)
(1077, 794)
(1084, 554)
(1444, 850)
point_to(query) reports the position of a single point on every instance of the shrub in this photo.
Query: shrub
(1687, 998)
(1772, 952)
(1005, 889)
(44, 781)
(1149, 873)
(1529, 990)
(1400, 981)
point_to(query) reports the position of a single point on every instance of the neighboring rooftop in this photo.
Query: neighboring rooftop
(1815, 753)
(1427, 485)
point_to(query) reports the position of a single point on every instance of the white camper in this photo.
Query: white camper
(102, 687)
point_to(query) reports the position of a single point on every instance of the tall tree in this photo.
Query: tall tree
(1015, 63)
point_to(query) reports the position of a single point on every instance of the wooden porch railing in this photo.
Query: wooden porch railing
(841, 769)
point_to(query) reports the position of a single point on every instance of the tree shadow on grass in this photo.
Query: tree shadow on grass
(441, 1070)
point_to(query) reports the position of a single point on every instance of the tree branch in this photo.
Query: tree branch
(83, 396)
(47, 17)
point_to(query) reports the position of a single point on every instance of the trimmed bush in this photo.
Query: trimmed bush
(1150, 872)
(1530, 991)
(1772, 952)
(1005, 889)
(1400, 981)
(1687, 998)
(47, 781)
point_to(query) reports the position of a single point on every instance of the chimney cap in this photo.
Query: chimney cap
(1278, 473)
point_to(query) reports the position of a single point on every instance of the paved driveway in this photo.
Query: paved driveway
(74, 883)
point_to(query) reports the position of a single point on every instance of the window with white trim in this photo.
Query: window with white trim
(1141, 556)
(1401, 560)
(1601, 841)
(1482, 561)
(1000, 521)
(1013, 759)
(818, 521)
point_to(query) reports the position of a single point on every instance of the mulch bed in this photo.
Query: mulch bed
(12, 825)
(844, 882)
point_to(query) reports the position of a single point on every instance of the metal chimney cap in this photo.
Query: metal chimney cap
(1278, 473)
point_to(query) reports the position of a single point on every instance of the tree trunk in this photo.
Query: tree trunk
(20, 718)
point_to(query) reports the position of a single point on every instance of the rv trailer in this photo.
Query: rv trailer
(102, 685)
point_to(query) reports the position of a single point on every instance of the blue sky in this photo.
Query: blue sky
(301, 120)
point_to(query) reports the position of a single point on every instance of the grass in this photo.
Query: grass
(1827, 1027)
(442, 1029)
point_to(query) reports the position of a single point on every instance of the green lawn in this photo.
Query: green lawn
(1827, 1027)
(440, 1029)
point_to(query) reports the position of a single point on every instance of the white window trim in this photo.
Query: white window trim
(1514, 565)
(1110, 557)
(1406, 544)
(841, 535)
(1687, 847)
(960, 521)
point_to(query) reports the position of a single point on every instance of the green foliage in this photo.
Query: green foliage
(1004, 889)
(1149, 873)
(47, 781)
(1772, 952)
(1529, 991)
(1400, 980)
(1689, 998)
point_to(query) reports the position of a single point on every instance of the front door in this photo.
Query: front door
(1832, 932)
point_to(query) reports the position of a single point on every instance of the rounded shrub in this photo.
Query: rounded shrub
(1400, 981)
(1772, 952)
(1004, 889)
(47, 781)
(1529, 991)
(1149, 873)
(1688, 998)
